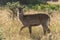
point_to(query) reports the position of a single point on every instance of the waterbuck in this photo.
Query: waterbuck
(34, 20)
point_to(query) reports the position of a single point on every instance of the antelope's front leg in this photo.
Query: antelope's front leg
(22, 28)
(30, 29)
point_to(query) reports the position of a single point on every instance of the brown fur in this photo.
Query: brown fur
(34, 20)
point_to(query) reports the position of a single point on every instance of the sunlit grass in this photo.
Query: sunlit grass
(10, 29)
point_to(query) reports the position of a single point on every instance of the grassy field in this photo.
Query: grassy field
(9, 28)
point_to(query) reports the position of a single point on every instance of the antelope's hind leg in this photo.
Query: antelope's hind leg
(46, 29)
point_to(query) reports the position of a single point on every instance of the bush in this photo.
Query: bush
(13, 4)
(40, 6)
(32, 2)
(46, 7)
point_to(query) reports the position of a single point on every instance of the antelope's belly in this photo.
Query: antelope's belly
(33, 22)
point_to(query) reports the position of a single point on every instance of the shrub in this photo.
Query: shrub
(13, 4)
(39, 7)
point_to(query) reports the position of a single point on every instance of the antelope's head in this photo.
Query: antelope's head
(21, 9)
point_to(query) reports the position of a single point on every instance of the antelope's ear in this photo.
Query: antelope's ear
(23, 6)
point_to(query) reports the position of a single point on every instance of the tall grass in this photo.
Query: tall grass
(10, 30)
(2, 37)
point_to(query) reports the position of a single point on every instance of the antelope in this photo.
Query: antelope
(34, 20)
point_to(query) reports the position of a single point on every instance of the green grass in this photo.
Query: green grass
(38, 7)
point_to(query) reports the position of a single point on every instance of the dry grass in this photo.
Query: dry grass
(10, 28)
